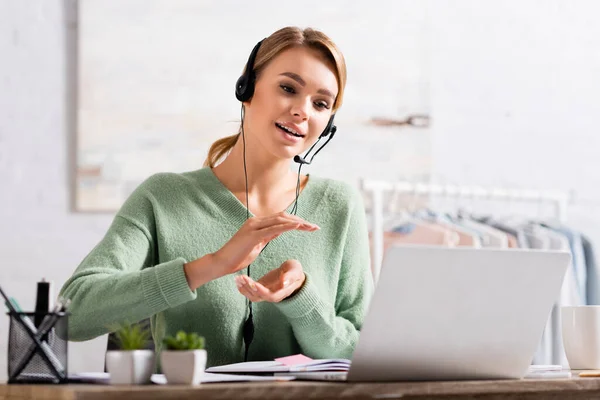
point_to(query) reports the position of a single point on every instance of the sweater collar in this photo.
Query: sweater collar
(234, 207)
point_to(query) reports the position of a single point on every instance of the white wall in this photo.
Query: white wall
(39, 235)
(515, 88)
(514, 97)
(165, 53)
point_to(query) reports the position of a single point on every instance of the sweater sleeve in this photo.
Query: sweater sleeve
(326, 330)
(118, 281)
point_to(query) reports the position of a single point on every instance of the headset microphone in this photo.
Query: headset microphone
(300, 160)
(330, 132)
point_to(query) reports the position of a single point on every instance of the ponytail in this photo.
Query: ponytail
(219, 149)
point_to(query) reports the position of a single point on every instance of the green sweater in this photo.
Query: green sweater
(136, 271)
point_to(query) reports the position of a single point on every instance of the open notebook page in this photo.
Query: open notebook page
(276, 366)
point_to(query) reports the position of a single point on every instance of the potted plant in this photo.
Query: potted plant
(183, 358)
(133, 363)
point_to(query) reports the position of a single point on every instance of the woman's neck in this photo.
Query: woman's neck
(267, 177)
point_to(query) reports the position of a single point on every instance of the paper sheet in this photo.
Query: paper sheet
(160, 379)
(294, 360)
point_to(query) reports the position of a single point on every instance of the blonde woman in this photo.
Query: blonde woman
(262, 261)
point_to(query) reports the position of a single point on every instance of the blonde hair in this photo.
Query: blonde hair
(278, 42)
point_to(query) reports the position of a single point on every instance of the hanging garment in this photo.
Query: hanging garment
(491, 237)
(592, 273)
(467, 237)
(551, 349)
(515, 233)
(512, 241)
(421, 232)
(579, 261)
(416, 232)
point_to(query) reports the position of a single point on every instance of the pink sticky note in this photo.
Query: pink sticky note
(294, 360)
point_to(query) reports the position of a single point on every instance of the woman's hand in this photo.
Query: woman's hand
(243, 248)
(275, 286)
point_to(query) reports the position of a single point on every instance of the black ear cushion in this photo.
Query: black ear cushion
(330, 131)
(330, 128)
(333, 130)
(243, 91)
(244, 87)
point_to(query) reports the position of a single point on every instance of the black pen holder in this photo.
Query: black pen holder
(38, 354)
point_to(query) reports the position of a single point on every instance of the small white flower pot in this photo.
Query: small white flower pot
(130, 367)
(184, 367)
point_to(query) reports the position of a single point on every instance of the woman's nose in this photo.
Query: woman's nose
(300, 109)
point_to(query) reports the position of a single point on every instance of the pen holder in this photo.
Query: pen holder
(38, 355)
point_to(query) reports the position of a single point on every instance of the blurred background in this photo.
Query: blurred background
(97, 95)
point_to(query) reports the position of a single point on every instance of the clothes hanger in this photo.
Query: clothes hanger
(403, 215)
(395, 217)
(490, 236)
(405, 226)
(466, 236)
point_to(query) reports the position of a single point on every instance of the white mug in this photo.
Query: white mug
(581, 336)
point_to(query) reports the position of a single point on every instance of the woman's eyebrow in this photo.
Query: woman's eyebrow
(301, 82)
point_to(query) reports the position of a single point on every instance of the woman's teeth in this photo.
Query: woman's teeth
(288, 130)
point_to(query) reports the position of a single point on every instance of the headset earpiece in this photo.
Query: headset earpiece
(241, 89)
(330, 128)
(244, 87)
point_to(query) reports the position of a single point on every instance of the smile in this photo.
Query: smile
(289, 130)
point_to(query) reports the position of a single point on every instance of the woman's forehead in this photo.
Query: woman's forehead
(306, 63)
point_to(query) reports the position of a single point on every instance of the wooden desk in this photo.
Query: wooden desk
(576, 388)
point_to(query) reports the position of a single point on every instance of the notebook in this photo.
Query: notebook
(279, 366)
(160, 379)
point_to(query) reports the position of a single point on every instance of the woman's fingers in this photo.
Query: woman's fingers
(278, 218)
(264, 293)
(245, 289)
(276, 230)
(255, 291)
(282, 218)
(259, 290)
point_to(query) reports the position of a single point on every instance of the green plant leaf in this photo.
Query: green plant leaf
(184, 341)
(131, 336)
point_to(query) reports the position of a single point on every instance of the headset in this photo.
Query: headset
(244, 90)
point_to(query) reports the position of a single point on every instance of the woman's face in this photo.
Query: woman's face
(292, 102)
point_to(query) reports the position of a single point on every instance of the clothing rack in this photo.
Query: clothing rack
(377, 189)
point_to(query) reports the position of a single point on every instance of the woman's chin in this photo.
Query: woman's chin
(285, 152)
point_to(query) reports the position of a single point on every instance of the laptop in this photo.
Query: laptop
(455, 314)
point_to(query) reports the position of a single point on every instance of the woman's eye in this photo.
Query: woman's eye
(322, 105)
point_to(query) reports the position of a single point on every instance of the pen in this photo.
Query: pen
(42, 302)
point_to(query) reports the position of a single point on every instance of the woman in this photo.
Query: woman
(180, 248)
